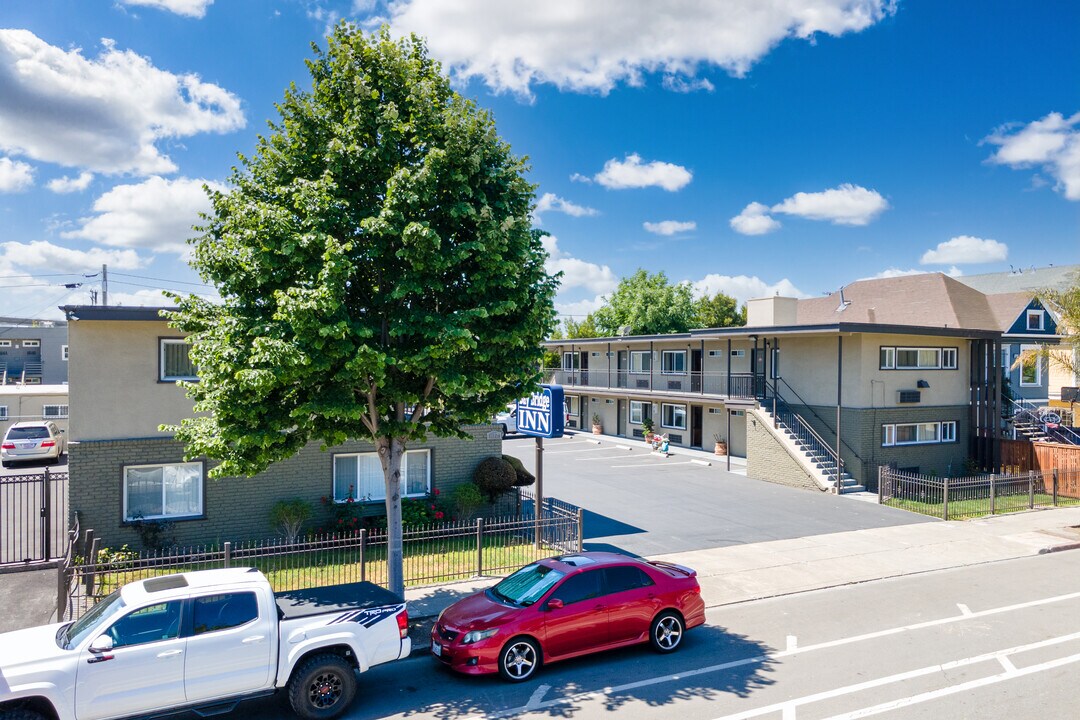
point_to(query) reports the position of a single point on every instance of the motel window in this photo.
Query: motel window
(948, 358)
(64, 353)
(572, 405)
(31, 343)
(175, 361)
(640, 411)
(3, 412)
(54, 412)
(359, 476)
(888, 358)
(673, 416)
(918, 433)
(172, 490)
(673, 362)
(917, 358)
(571, 361)
(640, 361)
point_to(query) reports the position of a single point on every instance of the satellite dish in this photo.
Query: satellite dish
(624, 329)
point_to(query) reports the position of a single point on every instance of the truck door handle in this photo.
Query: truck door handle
(253, 639)
(169, 653)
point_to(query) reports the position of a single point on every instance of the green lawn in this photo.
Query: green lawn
(979, 507)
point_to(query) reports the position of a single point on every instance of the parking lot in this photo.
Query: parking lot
(639, 502)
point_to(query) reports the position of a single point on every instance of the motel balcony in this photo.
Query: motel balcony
(701, 383)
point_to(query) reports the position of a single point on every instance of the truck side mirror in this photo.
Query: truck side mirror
(102, 643)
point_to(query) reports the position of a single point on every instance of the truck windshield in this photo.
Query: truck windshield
(73, 635)
(527, 585)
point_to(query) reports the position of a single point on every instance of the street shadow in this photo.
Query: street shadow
(435, 599)
(597, 525)
(712, 665)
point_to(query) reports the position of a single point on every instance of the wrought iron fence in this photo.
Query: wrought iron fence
(33, 516)
(961, 498)
(743, 385)
(433, 554)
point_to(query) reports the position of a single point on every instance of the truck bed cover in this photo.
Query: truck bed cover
(336, 598)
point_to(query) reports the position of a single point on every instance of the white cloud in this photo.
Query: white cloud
(592, 45)
(187, 8)
(554, 203)
(844, 205)
(124, 106)
(965, 250)
(15, 176)
(598, 279)
(679, 84)
(579, 309)
(897, 272)
(669, 227)
(754, 220)
(155, 214)
(632, 173)
(743, 288)
(1052, 143)
(62, 185)
(42, 254)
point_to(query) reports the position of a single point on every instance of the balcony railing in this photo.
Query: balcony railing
(720, 384)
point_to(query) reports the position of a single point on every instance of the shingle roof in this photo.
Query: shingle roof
(926, 300)
(1058, 278)
(1007, 307)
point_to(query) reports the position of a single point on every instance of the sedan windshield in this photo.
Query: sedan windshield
(99, 615)
(528, 584)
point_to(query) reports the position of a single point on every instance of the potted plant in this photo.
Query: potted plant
(597, 428)
(721, 445)
(647, 426)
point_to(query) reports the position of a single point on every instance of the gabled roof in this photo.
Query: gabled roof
(925, 300)
(1007, 307)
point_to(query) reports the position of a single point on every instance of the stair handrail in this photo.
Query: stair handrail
(776, 391)
(1031, 408)
(804, 431)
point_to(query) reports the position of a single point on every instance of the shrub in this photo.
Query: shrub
(291, 515)
(156, 535)
(494, 476)
(523, 478)
(467, 499)
(344, 516)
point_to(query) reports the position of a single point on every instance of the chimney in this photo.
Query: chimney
(771, 311)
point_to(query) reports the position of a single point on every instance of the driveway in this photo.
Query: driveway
(644, 504)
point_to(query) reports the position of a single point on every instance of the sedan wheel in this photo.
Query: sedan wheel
(666, 633)
(519, 660)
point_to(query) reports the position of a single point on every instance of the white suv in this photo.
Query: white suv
(32, 441)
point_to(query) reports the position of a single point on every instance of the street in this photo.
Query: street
(995, 641)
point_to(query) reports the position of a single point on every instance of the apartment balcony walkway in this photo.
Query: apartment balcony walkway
(709, 384)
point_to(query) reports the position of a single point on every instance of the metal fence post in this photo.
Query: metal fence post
(46, 516)
(993, 494)
(880, 484)
(1055, 487)
(61, 590)
(94, 547)
(580, 530)
(363, 549)
(1031, 489)
(228, 554)
(946, 499)
(480, 546)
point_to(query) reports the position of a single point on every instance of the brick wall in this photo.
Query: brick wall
(767, 459)
(239, 508)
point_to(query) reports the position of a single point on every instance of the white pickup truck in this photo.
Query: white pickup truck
(202, 641)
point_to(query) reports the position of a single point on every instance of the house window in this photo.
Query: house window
(1030, 367)
(31, 343)
(918, 433)
(3, 412)
(360, 476)
(673, 416)
(1035, 319)
(673, 362)
(918, 358)
(640, 361)
(64, 353)
(640, 411)
(738, 353)
(54, 412)
(176, 361)
(948, 358)
(172, 490)
(1006, 359)
(571, 361)
(888, 358)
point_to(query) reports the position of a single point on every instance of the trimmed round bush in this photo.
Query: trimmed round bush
(523, 478)
(494, 476)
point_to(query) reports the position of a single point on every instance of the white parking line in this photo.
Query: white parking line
(559, 452)
(658, 464)
(604, 457)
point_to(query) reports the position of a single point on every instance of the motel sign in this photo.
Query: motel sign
(541, 414)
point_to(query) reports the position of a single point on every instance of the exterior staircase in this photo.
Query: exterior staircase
(809, 449)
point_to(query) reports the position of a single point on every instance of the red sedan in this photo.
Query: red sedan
(568, 606)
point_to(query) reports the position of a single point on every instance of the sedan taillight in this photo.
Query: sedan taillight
(48, 443)
(9, 446)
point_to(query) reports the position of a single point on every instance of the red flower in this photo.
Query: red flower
(435, 491)
(439, 515)
(433, 506)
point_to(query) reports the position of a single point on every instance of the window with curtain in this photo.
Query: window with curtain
(360, 476)
(163, 491)
(176, 361)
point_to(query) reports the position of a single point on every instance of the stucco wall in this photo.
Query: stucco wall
(239, 508)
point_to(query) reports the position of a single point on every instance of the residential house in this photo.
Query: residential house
(816, 393)
(33, 352)
(124, 366)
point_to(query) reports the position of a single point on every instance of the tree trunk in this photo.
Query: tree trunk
(390, 453)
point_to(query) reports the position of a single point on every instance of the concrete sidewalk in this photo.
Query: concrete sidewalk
(742, 573)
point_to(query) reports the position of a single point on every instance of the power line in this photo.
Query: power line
(10, 277)
(55, 302)
(175, 282)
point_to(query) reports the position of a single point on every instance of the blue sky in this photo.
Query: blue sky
(749, 146)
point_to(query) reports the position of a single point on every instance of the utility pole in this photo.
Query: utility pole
(104, 286)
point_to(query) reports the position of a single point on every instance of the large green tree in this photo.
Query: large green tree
(647, 305)
(378, 274)
(719, 310)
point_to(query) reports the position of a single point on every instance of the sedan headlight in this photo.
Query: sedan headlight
(475, 636)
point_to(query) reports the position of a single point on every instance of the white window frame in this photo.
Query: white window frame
(162, 343)
(640, 354)
(202, 491)
(740, 352)
(643, 410)
(918, 359)
(942, 432)
(949, 358)
(3, 412)
(64, 353)
(426, 452)
(31, 343)
(1038, 367)
(571, 361)
(572, 404)
(887, 358)
(676, 409)
(59, 412)
(1038, 315)
(664, 370)
(5, 343)
(1006, 358)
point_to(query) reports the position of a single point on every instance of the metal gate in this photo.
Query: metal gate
(33, 517)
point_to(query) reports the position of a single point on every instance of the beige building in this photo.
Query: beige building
(24, 403)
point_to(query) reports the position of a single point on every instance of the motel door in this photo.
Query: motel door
(622, 418)
(695, 426)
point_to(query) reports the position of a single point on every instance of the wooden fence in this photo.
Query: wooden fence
(1022, 456)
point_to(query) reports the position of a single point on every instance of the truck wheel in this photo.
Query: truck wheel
(322, 688)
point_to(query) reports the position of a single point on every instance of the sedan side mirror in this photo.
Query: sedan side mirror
(554, 604)
(102, 643)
